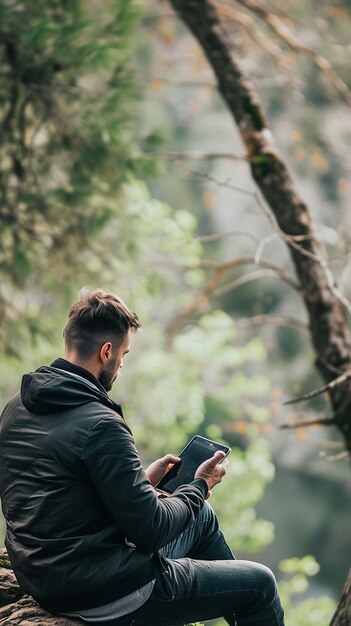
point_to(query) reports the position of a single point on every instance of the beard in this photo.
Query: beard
(107, 376)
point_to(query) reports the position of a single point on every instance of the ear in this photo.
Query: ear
(105, 352)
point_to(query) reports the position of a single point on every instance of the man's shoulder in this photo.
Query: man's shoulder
(108, 433)
(9, 409)
(92, 417)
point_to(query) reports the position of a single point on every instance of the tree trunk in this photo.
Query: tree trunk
(328, 329)
(16, 607)
(342, 615)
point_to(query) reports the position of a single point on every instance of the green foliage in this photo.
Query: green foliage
(204, 363)
(235, 500)
(66, 90)
(307, 566)
(307, 612)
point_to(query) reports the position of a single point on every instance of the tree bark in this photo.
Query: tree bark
(18, 608)
(342, 615)
(328, 328)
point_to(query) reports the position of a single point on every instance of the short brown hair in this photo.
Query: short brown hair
(98, 316)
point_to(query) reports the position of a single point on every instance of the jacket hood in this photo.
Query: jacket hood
(49, 389)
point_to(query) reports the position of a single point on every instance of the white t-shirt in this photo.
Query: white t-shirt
(117, 608)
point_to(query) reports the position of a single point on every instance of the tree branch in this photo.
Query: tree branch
(322, 421)
(205, 156)
(328, 387)
(278, 320)
(282, 31)
(178, 82)
(248, 24)
(225, 234)
(335, 457)
(243, 280)
(290, 239)
(199, 301)
(220, 270)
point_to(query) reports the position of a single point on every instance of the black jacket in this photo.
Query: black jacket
(83, 524)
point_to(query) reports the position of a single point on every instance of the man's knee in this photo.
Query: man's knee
(265, 581)
(269, 593)
(261, 600)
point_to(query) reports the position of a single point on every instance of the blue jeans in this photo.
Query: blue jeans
(201, 580)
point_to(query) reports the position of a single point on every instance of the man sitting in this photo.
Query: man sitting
(87, 533)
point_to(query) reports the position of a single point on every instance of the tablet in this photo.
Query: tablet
(195, 452)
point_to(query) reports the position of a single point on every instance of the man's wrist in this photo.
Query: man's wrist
(202, 485)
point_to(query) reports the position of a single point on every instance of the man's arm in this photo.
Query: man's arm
(114, 466)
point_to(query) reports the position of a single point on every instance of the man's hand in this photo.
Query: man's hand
(213, 470)
(158, 468)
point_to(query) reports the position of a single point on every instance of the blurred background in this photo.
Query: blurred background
(121, 168)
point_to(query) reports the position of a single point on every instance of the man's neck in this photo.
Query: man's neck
(76, 368)
(89, 364)
(68, 366)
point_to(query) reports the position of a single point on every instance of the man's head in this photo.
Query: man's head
(98, 333)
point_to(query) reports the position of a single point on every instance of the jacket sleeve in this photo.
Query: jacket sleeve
(114, 466)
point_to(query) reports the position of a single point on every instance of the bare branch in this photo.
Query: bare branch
(227, 233)
(178, 82)
(317, 392)
(282, 31)
(277, 273)
(183, 156)
(246, 21)
(291, 240)
(210, 287)
(246, 260)
(345, 275)
(321, 421)
(199, 301)
(277, 79)
(149, 17)
(334, 457)
(278, 320)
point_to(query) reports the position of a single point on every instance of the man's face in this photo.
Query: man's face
(111, 371)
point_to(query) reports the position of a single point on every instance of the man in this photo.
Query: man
(87, 533)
